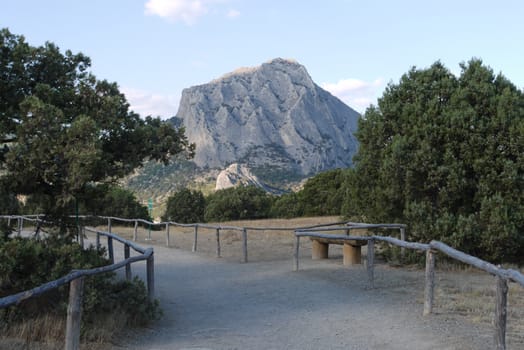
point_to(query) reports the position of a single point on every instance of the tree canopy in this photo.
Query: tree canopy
(323, 194)
(62, 130)
(238, 203)
(185, 206)
(445, 154)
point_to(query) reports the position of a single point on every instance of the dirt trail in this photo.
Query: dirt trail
(217, 304)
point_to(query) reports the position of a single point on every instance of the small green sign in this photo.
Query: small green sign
(150, 204)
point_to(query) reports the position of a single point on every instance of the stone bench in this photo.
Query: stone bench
(352, 249)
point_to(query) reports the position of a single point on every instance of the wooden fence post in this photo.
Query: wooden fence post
(195, 239)
(167, 234)
(218, 242)
(128, 266)
(244, 244)
(9, 221)
(371, 263)
(135, 233)
(97, 240)
(149, 233)
(150, 265)
(110, 249)
(296, 252)
(74, 314)
(109, 225)
(501, 313)
(429, 290)
(403, 238)
(20, 224)
(81, 236)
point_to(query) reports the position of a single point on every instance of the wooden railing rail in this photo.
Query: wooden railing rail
(17, 298)
(217, 228)
(196, 226)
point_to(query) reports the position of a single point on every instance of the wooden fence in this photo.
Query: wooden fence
(243, 231)
(76, 279)
(503, 275)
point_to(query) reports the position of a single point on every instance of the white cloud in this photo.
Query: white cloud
(233, 13)
(356, 93)
(186, 11)
(146, 103)
(177, 10)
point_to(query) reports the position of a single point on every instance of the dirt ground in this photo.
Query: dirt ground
(221, 303)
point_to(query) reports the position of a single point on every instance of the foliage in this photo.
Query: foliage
(287, 206)
(238, 203)
(323, 194)
(27, 263)
(63, 130)
(8, 204)
(185, 206)
(445, 155)
(103, 299)
(105, 200)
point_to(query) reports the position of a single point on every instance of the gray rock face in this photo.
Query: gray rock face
(234, 175)
(271, 115)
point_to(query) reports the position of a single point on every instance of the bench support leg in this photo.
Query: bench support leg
(319, 250)
(352, 255)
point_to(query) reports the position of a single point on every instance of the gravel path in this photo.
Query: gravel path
(216, 304)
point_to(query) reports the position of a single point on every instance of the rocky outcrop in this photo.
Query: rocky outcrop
(273, 115)
(235, 175)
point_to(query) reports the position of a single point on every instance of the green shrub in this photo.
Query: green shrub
(28, 263)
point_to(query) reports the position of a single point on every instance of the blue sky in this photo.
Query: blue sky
(155, 48)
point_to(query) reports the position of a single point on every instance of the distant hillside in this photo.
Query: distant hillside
(272, 120)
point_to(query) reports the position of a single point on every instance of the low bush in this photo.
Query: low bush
(109, 305)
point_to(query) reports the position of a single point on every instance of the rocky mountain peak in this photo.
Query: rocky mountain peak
(272, 118)
(283, 64)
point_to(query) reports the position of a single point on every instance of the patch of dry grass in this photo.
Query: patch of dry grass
(470, 294)
(48, 332)
(45, 329)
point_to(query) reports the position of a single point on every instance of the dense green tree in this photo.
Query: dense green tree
(287, 206)
(62, 130)
(106, 200)
(64, 135)
(323, 194)
(185, 206)
(238, 203)
(445, 155)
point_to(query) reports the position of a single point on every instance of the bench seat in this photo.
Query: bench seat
(352, 249)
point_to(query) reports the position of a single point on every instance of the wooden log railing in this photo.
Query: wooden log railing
(503, 276)
(75, 279)
(197, 227)
(243, 231)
